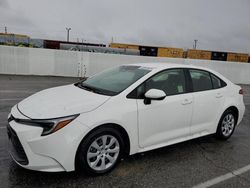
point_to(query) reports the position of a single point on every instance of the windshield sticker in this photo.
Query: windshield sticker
(180, 89)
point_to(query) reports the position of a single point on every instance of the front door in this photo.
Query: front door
(166, 120)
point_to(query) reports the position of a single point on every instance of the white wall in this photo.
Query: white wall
(31, 61)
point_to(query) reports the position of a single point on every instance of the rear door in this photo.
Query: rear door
(208, 99)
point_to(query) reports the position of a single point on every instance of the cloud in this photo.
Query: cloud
(220, 25)
(4, 4)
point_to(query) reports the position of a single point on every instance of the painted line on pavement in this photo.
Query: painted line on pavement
(222, 178)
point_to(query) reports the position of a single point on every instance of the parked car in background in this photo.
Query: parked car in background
(124, 110)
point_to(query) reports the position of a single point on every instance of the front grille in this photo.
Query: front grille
(16, 148)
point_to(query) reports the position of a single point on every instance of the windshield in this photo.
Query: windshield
(115, 80)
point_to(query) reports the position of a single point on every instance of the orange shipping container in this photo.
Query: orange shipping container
(199, 54)
(237, 57)
(124, 46)
(170, 52)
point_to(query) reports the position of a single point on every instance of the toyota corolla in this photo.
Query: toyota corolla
(124, 110)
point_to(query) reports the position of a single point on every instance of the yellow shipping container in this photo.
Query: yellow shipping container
(170, 52)
(124, 46)
(237, 57)
(15, 35)
(199, 54)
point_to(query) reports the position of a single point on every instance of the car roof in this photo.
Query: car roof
(156, 65)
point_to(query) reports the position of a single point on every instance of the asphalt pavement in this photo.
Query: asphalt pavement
(186, 164)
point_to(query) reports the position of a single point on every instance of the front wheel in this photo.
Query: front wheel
(100, 151)
(226, 125)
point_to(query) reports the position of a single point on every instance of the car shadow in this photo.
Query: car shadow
(135, 165)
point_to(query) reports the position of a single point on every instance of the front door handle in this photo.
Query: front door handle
(186, 101)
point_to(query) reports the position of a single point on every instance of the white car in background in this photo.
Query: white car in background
(124, 110)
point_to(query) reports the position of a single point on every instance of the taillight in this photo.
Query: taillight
(241, 92)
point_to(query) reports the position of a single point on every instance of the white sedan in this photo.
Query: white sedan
(124, 110)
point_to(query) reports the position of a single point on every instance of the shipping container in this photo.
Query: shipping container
(98, 49)
(237, 57)
(51, 44)
(14, 39)
(170, 52)
(185, 54)
(14, 35)
(148, 51)
(37, 43)
(199, 54)
(55, 44)
(219, 56)
(124, 46)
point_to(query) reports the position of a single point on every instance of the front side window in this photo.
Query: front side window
(115, 80)
(172, 82)
(201, 80)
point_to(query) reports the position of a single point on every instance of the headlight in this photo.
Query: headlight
(57, 124)
(49, 125)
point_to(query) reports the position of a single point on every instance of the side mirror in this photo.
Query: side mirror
(154, 94)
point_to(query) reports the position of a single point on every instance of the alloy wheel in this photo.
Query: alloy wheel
(227, 125)
(103, 152)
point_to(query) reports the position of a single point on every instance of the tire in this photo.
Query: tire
(94, 158)
(226, 125)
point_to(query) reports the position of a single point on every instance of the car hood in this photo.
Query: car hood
(59, 102)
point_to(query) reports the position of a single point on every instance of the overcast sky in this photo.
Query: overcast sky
(218, 24)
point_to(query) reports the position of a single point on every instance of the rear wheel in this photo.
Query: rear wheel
(100, 152)
(226, 125)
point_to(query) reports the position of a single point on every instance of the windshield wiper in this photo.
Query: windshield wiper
(95, 90)
(88, 88)
(80, 85)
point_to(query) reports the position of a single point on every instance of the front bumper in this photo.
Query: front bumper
(52, 153)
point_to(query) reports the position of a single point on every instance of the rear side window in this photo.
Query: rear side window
(217, 83)
(201, 80)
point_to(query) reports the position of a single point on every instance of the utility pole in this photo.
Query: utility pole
(68, 29)
(5, 28)
(195, 44)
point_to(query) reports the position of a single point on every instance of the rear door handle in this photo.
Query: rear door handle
(186, 101)
(219, 95)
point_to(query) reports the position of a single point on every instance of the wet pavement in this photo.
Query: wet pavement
(182, 165)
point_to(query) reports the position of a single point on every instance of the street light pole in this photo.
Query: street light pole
(195, 44)
(68, 29)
